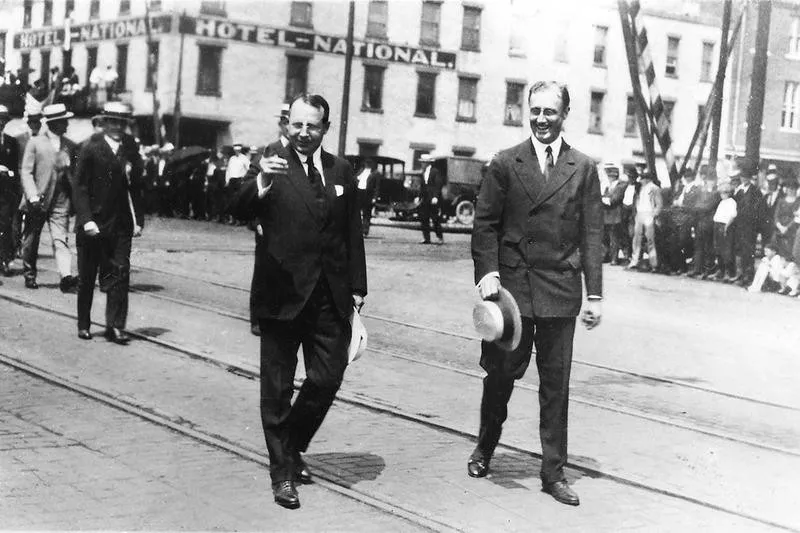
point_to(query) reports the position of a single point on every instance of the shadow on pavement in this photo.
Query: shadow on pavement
(150, 332)
(348, 468)
(509, 469)
(146, 287)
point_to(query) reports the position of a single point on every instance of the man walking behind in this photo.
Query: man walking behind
(45, 184)
(312, 272)
(430, 205)
(538, 225)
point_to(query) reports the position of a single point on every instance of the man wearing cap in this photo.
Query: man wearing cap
(313, 273)
(430, 204)
(45, 183)
(538, 225)
(10, 192)
(749, 221)
(107, 174)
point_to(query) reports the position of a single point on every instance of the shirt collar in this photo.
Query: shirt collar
(315, 157)
(284, 141)
(112, 143)
(540, 147)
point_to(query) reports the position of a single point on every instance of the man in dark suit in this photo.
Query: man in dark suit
(311, 273)
(538, 224)
(108, 175)
(613, 194)
(368, 183)
(750, 208)
(430, 205)
(10, 192)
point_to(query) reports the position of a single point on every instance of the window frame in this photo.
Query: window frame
(790, 107)
(27, 13)
(377, 29)
(434, 26)
(506, 120)
(300, 19)
(152, 67)
(631, 119)
(123, 49)
(297, 60)
(471, 83)
(45, 58)
(602, 47)
(669, 111)
(671, 63)
(124, 8)
(471, 36)
(794, 38)
(425, 75)
(372, 68)
(94, 9)
(707, 63)
(47, 15)
(596, 119)
(216, 8)
(200, 88)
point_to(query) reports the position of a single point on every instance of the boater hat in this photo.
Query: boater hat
(358, 338)
(116, 111)
(499, 321)
(56, 112)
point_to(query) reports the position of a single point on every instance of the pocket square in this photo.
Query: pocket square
(339, 190)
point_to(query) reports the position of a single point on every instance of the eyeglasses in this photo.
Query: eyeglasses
(310, 128)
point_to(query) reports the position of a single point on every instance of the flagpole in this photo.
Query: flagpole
(176, 113)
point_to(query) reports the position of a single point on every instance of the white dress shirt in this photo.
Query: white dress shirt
(541, 150)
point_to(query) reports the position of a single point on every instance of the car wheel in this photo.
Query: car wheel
(465, 212)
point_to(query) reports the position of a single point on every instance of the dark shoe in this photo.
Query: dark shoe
(302, 474)
(477, 467)
(84, 334)
(285, 494)
(68, 284)
(439, 241)
(561, 492)
(30, 283)
(5, 270)
(117, 336)
(425, 242)
(255, 329)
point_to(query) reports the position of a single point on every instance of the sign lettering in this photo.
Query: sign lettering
(93, 31)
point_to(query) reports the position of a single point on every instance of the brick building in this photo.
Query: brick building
(443, 76)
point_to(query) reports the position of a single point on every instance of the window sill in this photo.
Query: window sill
(594, 132)
(214, 12)
(209, 93)
(600, 65)
(430, 45)
(371, 110)
(383, 38)
(305, 25)
(512, 123)
(516, 53)
(673, 76)
(425, 115)
(476, 49)
(466, 119)
(630, 135)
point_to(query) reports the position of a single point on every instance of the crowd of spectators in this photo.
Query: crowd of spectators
(739, 229)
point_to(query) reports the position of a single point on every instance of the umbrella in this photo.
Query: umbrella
(188, 154)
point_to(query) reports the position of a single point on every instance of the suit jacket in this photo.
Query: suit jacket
(10, 158)
(612, 213)
(433, 189)
(100, 186)
(540, 235)
(371, 192)
(303, 239)
(43, 169)
(750, 208)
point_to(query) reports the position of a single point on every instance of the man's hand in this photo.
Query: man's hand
(137, 230)
(274, 164)
(489, 287)
(259, 230)
(91, 229)
(358, 301)
(434, 201)
(3, 168)
(592, 314)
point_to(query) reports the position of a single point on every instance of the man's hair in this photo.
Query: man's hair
(317, 101)
(541, 86)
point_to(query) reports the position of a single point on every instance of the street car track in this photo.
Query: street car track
(638, 375)
(186, 427)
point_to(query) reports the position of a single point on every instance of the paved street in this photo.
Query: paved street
(676, 422)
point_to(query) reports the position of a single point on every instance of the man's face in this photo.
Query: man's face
(306, 127)
(547, 114)
(283, 127)
(772, 184)
(58, 127)
(612, 173)
(35, 125)
(114, 128)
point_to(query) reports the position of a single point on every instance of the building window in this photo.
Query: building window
(91, 60)
(48, 13)
(124, 7)
(673, 44)
(122, 67)
(600, 38)
(515, 92)
(69, 8)
(794, 37)
(669, 107)
(707, 61)
(426, 94)
(94, 9)
(154, 5)
(429, 29)
(44, 68)
(27, 13)
(153, 50)
(296, 76)
(212, 7)
(2, 46)
(301, 14)
(471, 29)
(463, 151)
(631, 125)
(377, 19)
(701, 112)
(66, 61)
(209, 70)
(790, 115)
(368, 149)
(24, 67)
(596, 112)
(373, 88)
(467, 99)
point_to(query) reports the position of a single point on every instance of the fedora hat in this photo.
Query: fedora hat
(426, 158)
(284, 113)
(499, 321)
(56, 112)
(116, 111)
(358, 338)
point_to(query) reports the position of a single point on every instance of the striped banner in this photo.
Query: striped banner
(660, 119)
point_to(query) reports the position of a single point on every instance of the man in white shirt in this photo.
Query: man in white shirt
(648, 206)
(238, 164)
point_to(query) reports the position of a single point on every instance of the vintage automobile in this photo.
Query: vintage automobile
(462, 179)
(396, 191)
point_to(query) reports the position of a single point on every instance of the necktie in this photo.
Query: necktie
(548, 162)
(315, 179)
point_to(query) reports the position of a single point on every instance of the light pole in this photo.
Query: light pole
(348, 66)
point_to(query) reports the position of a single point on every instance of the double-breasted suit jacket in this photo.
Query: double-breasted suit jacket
(306, 237)
(100, 186)
(540, 235)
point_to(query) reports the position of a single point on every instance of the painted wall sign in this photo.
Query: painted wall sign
(93, 31)
(252, 33)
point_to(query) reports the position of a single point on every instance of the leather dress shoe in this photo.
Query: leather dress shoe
(84, 334)
(286, 494)
(477, 467)
(561, 492)
(117, 336)
(302, 474)
(68, 284)
(255, 329)
(30, 283)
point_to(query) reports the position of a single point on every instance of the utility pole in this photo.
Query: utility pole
(348, 66)
(152, 64)
(755, 106)
(716, 107)
(176, 114)
(645, 133)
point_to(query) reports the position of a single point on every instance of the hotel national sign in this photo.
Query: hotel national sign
(232, 31)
